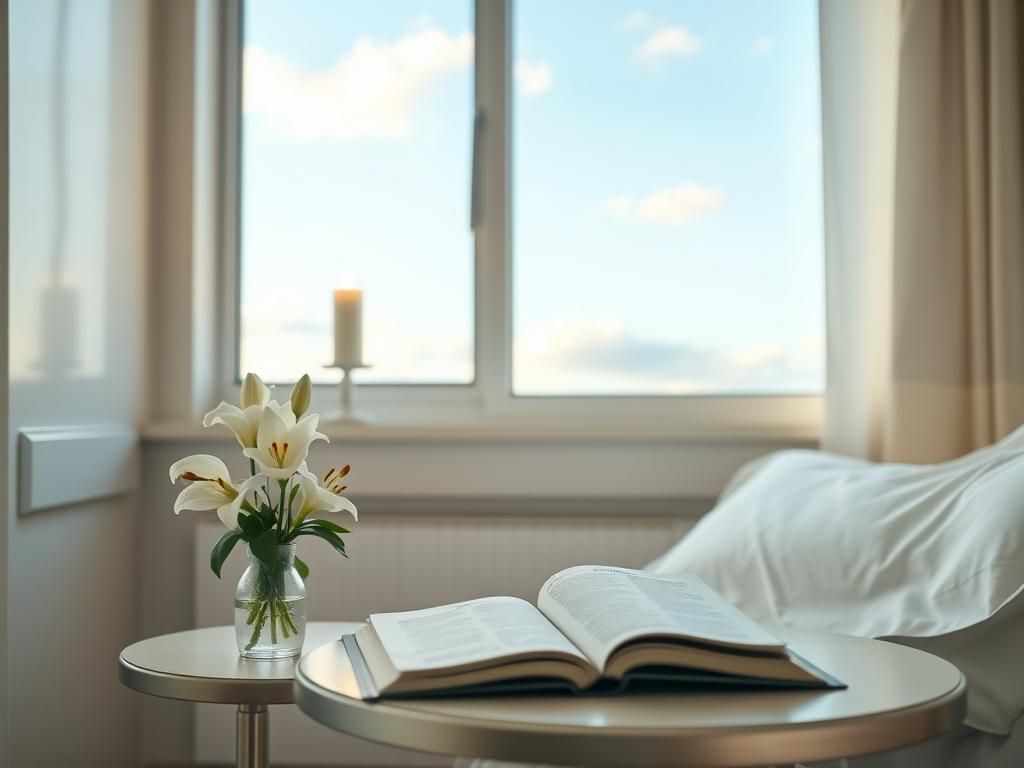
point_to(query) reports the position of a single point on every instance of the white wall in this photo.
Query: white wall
(77, 249)
(4, 213)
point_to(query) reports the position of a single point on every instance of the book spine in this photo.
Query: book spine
(367, 688)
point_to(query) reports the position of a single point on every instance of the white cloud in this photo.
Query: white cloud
(669, 41)
(672, 205)
(534, 77)
(371, 91)
(601, 356)
(762, 46)
(638, 19)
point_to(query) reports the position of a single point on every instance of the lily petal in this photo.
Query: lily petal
(284, 410)
(200, 465)
(347, 506)
(201, 496)
(338, 504)
(228, 514)
(316, 498)
(214, 416)
(243, 423)
(252, 485)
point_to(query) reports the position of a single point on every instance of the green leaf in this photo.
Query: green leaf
(264, 548)
(302, 568)
(329, 525)
(328, 536)
(319, 522)
(222, 549)
(252, 526)
(268, 515)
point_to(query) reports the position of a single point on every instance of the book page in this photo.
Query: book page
(600, 607)
(465, 633)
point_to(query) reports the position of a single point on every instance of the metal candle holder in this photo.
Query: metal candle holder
(347, 413)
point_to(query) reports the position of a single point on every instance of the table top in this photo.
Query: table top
(897, 696)
(204, 665)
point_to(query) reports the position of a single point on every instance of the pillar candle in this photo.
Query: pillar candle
(348, 327)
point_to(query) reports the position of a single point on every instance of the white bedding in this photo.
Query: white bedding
(927, 556)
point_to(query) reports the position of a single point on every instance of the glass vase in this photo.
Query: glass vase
(270, 608)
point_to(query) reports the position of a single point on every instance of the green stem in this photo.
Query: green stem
(287, 613)
(280, 512)
(252, 472)
(273, 624)
(282, 617)
(257, 630)
(291, 503)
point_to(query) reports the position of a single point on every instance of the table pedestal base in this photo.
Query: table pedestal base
(252, 736)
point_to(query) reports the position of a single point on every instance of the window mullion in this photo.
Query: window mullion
(229, 148)
(492, 231)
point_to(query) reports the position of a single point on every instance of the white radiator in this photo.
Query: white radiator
(405, 562)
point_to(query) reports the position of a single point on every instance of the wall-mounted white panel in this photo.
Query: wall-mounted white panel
(57, 467)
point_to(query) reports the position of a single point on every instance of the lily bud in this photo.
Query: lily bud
(252, 391)
(300, 395)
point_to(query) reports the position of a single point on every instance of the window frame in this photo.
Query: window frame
(489, 399)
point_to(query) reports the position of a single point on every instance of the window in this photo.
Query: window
(667, 198)
(650, 206)
(354, 167)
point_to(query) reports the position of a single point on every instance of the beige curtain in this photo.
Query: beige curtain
(924, 225)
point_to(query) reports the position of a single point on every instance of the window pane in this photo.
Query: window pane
(355, 172)
(667, 198)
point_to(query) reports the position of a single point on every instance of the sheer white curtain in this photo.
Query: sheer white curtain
(922, 118)
(859, 63)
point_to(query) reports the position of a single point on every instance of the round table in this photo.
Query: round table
(897, 696)
(204, 665)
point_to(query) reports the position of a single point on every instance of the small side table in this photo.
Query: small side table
(203, 665)
(897, 696)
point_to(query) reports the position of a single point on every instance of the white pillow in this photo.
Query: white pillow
(928, 556)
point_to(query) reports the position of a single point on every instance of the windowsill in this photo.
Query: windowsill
(497, 432)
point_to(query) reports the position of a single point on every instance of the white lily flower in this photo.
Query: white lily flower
(244, 421)
(212, 488)
(281, 443)
(322, 495)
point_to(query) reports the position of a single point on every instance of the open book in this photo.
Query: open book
(594, 627)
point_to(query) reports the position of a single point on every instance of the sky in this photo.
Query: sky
(667, 205)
